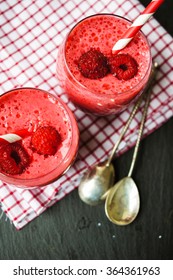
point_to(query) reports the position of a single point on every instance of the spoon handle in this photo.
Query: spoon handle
(152, 78)
(135, 108)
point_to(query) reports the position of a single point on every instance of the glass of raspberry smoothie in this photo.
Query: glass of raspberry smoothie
(49, 137)
(96, 80)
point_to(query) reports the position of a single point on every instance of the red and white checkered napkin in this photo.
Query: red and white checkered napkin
(31, 32)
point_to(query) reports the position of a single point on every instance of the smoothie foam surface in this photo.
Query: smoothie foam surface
(101, 33)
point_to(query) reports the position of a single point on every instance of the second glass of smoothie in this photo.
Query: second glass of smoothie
(109, 94)
(50, 137)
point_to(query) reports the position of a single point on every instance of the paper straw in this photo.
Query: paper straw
(136, 25)
(14, 137)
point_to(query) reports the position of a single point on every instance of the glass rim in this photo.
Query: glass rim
(108, 94)
(44, 180)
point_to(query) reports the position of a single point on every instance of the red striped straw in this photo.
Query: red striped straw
(136, 25)
(14, 137)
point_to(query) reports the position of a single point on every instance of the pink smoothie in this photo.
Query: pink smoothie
(28, 109)
(107, 95)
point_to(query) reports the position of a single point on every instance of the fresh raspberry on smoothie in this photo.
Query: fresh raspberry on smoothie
(123, 66)
(14, 159)
(93, 64)
(45, 140)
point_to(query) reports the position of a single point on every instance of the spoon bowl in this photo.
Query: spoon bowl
(123, 203)
(96, 182)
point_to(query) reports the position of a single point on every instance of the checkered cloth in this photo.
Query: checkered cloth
(31, 32)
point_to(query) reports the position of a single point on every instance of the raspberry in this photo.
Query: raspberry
(93, 64)
(123, 66)
(45, 140)
(14, 159)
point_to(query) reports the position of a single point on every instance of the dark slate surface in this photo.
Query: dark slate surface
(72, 230)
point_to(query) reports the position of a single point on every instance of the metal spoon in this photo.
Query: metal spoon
(95, 183)
(123, 201)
